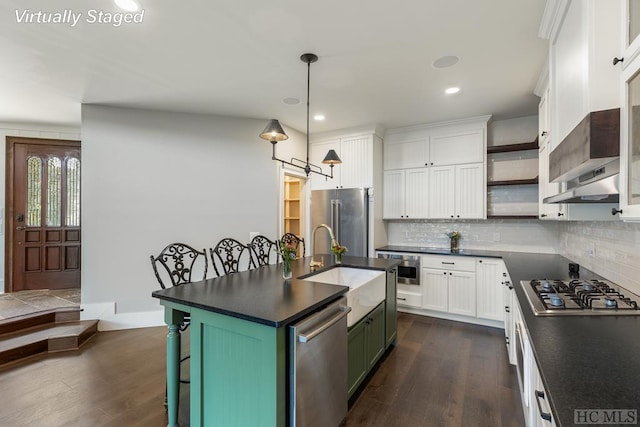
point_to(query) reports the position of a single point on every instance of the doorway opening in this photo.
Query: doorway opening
(293, 204)
(42, 214)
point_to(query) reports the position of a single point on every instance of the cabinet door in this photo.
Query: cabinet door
(630, 144)
(391, 307)
(416, 199)
(457, 148)
(317, 152)
(435, 292)
(490, 289)
(393, 195)
(543, 118)
(441, 188)
(356, 170)
(546, 188)
(470, 191)
(406, 154)
(462, 293)
(375, 335)
(357, 356)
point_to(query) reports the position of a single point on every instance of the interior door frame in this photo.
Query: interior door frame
(9, 214)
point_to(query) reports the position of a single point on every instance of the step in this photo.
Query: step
(44, 317)
(41, 339)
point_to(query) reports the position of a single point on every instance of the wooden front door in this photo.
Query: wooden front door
(43, 214)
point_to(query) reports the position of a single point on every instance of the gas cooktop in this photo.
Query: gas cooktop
(579, 297)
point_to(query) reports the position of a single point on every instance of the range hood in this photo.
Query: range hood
(599, 186)
(588, 161)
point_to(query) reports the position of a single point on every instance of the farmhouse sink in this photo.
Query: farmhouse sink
(366, 288)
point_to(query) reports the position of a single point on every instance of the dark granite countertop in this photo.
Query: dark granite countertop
(586, 362)
(262, 296)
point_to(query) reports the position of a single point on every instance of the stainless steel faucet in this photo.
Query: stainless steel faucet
(314, 264)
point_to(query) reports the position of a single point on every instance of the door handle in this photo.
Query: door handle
(20, 227)
(344, 310)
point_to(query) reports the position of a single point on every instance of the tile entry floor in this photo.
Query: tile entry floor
(27, 302)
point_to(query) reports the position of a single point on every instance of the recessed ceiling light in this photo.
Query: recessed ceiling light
(452, 90)
(445, 61)
(128, 5)
(319, 117)
(291, 101)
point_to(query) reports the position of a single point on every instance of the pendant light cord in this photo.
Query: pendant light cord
(308, 86)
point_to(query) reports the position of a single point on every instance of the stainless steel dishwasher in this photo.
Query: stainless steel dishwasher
(318, 367)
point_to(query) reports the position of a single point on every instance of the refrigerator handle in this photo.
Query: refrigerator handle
(335, 218)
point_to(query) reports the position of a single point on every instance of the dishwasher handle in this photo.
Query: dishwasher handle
(344, 310)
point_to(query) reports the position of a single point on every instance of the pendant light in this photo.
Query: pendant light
(274, 133)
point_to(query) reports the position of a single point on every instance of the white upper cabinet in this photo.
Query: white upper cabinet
(546, 211)
(406, 194)
(582, 76)
(406, 154)
(470, 191)
(544, 120)
(360, 152)
(445, 170)
(458, 147)
(630, 133)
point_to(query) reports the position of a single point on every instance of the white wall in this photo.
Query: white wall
(28, 130)
(150, 178)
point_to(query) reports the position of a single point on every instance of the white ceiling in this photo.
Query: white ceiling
(241, 58)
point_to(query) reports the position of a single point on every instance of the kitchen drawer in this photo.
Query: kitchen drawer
(446, 262)
(409, 299)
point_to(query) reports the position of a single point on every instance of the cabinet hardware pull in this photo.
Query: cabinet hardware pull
(560, 214)
(480, 261)
(544, 415)
(506, 308)
(543, 215)
(615, 211)
(401, 299)
(545, 133)
(616, 60)
(449, 263)
(445, 273)
(450, 274)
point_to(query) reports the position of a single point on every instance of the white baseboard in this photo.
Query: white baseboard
(449, 316)
(112, 321)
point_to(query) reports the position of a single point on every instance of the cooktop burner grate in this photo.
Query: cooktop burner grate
(579, 297)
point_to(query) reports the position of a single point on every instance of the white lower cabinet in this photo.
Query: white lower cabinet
(535, 401)
(449, 284)
(539, 408)
(490, 301)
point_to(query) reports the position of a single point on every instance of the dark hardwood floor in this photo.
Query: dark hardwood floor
(441, 373)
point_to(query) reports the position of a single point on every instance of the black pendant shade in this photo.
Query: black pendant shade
(274, 133)
(332, 158)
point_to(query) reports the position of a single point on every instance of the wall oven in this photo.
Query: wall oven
(409, 268)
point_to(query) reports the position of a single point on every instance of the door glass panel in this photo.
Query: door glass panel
(54, 172)
(73, 192)
(634, 19)
(34, 191)
(634, 141)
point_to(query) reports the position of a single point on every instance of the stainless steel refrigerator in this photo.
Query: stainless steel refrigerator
(346, 211)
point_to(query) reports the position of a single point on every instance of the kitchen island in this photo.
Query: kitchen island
(238, 339)
(585, 362)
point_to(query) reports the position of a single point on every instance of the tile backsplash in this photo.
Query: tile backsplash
(611, 249)
(498, 235)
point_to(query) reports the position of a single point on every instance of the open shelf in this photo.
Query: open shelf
(533, 145)
(514, 182)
